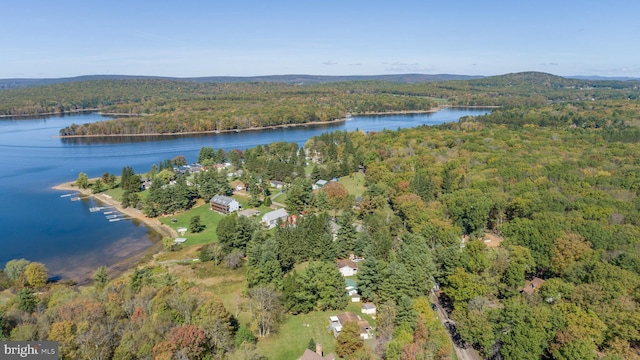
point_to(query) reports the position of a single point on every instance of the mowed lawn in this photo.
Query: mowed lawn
(294, 335)
(354, 183)
(208, 218)
(296, 330)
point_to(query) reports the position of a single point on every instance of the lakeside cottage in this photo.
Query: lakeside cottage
(224, 204)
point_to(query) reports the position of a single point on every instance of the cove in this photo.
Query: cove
(39, 225)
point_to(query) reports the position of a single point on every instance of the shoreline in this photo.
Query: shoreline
(132, 260)
(281, 126)
(152, 223)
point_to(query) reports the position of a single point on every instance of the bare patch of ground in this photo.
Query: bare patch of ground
(492, 240)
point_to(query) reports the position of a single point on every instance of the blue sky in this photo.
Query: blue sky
(61, 38)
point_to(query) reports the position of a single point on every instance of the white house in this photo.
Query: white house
(347, 267)
(270, 219)
(369, 309)
(319, 184)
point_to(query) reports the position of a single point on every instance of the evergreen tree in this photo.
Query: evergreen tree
(195, 225)
(27, 300)
(220, 156)
(416, 257)
(395, 284)
(101, 277)
(315, 173)
(227, 232)
(206, 155)
(369, 278)
(423, 186)
(325, 281)
(311, 345)
(347, 235)
(296, 295)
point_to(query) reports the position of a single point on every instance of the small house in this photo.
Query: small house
(319, 184)
(347, 267)
(277, 184)
(270, 219)
(317, 355)
(369, 309)
(224, 204)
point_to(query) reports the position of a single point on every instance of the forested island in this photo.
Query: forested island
(515, 234)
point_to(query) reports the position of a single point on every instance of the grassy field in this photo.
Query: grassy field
(294, 336)
(354, 183)
(208, 218)
(279, 197)
(296, 331)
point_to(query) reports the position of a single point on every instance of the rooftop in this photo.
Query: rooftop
(221, 199)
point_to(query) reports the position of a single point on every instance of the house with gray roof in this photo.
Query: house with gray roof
(224, 204)
(270, 219)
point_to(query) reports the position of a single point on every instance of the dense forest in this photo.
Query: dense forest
(560, 183)
(158, 106)
(525, 220)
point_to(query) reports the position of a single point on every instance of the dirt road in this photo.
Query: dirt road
(463, 351)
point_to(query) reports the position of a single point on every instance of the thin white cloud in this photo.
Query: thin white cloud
(407, 67)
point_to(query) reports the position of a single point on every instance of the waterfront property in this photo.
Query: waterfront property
(224, 204)
(63, 251)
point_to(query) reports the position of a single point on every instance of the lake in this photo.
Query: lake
(39, 225)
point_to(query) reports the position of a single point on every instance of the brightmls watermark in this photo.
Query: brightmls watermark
(39, 350)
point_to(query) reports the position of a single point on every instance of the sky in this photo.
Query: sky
(189, 38)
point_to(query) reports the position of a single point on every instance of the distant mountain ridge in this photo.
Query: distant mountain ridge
(292, 79)
(310, 79)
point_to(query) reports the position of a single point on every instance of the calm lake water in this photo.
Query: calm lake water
(39, 225)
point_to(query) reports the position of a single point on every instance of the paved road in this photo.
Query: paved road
(464, 352)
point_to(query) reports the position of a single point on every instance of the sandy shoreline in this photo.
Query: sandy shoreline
(153, 223)
(132, 260)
